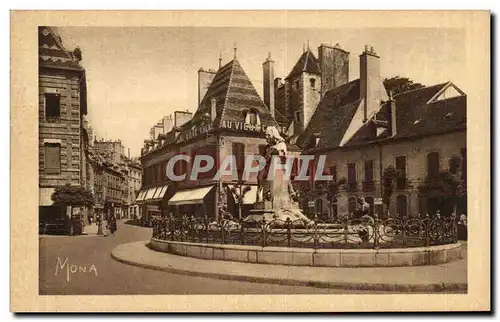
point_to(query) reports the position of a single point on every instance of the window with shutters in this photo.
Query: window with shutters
(401, 172)
(52, 158)
(433, 165)
(52, 106)
(368, 184)
(351, 176)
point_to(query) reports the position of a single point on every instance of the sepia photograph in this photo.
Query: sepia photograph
(232, 160)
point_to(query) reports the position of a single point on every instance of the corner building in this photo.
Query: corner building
(230, 120)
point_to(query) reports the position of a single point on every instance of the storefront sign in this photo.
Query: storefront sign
(241, 126)
(194, 132)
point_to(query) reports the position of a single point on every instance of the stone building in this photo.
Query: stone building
(230, 120)
(62, 107)
(362, 130)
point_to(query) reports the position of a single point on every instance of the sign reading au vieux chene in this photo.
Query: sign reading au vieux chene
(241, 126)
(230, 125)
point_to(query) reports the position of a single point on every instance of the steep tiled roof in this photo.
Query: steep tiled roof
(332, 116)
(415, 117)
(306, 63)
(421, 119)
(235, 95)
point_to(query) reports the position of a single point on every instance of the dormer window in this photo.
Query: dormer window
(252, 117)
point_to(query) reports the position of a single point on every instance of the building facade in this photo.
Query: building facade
(62, 107)
(230, 120)
(362, 131)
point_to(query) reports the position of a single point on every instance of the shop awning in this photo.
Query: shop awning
(160, 192)
(250, 196)
(46, 196)
(190, 196)
(141, 195)
(149, 194)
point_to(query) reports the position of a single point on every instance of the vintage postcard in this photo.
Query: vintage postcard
(246, 161)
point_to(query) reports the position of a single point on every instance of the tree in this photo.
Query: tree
(239, 191)
(331, 190)
(68, 195)
(452, 182)
(398, 85)
(388, 180)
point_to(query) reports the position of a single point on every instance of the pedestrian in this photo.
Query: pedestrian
(90, 220)
(112, 224)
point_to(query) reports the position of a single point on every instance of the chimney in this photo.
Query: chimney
(129, 153)
(372, 89)
(205, 78)
(268, 69)
(334, 66)
(213, 108)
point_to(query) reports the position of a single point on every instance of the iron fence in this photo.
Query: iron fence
(346, 232)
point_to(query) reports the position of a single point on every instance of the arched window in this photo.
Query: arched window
(401, 206)
(351, 207)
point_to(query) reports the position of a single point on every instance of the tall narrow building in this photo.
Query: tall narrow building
(62, 106)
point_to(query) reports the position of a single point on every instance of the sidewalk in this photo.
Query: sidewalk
(450, 277)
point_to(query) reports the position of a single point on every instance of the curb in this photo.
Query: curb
(408, 288)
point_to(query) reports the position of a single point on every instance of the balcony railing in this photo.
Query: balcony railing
(368, 186)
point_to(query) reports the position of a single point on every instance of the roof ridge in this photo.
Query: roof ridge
(223, 110)
(422, 88)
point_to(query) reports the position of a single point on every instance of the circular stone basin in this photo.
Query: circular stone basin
(415, 256)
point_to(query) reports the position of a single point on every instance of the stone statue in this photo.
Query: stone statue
(274, 191)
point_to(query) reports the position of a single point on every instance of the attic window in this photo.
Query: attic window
(252, 118)
(312, 82)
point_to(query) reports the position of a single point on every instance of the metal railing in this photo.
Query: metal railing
(365, 232)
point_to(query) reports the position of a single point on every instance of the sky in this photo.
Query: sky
(137, 75)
